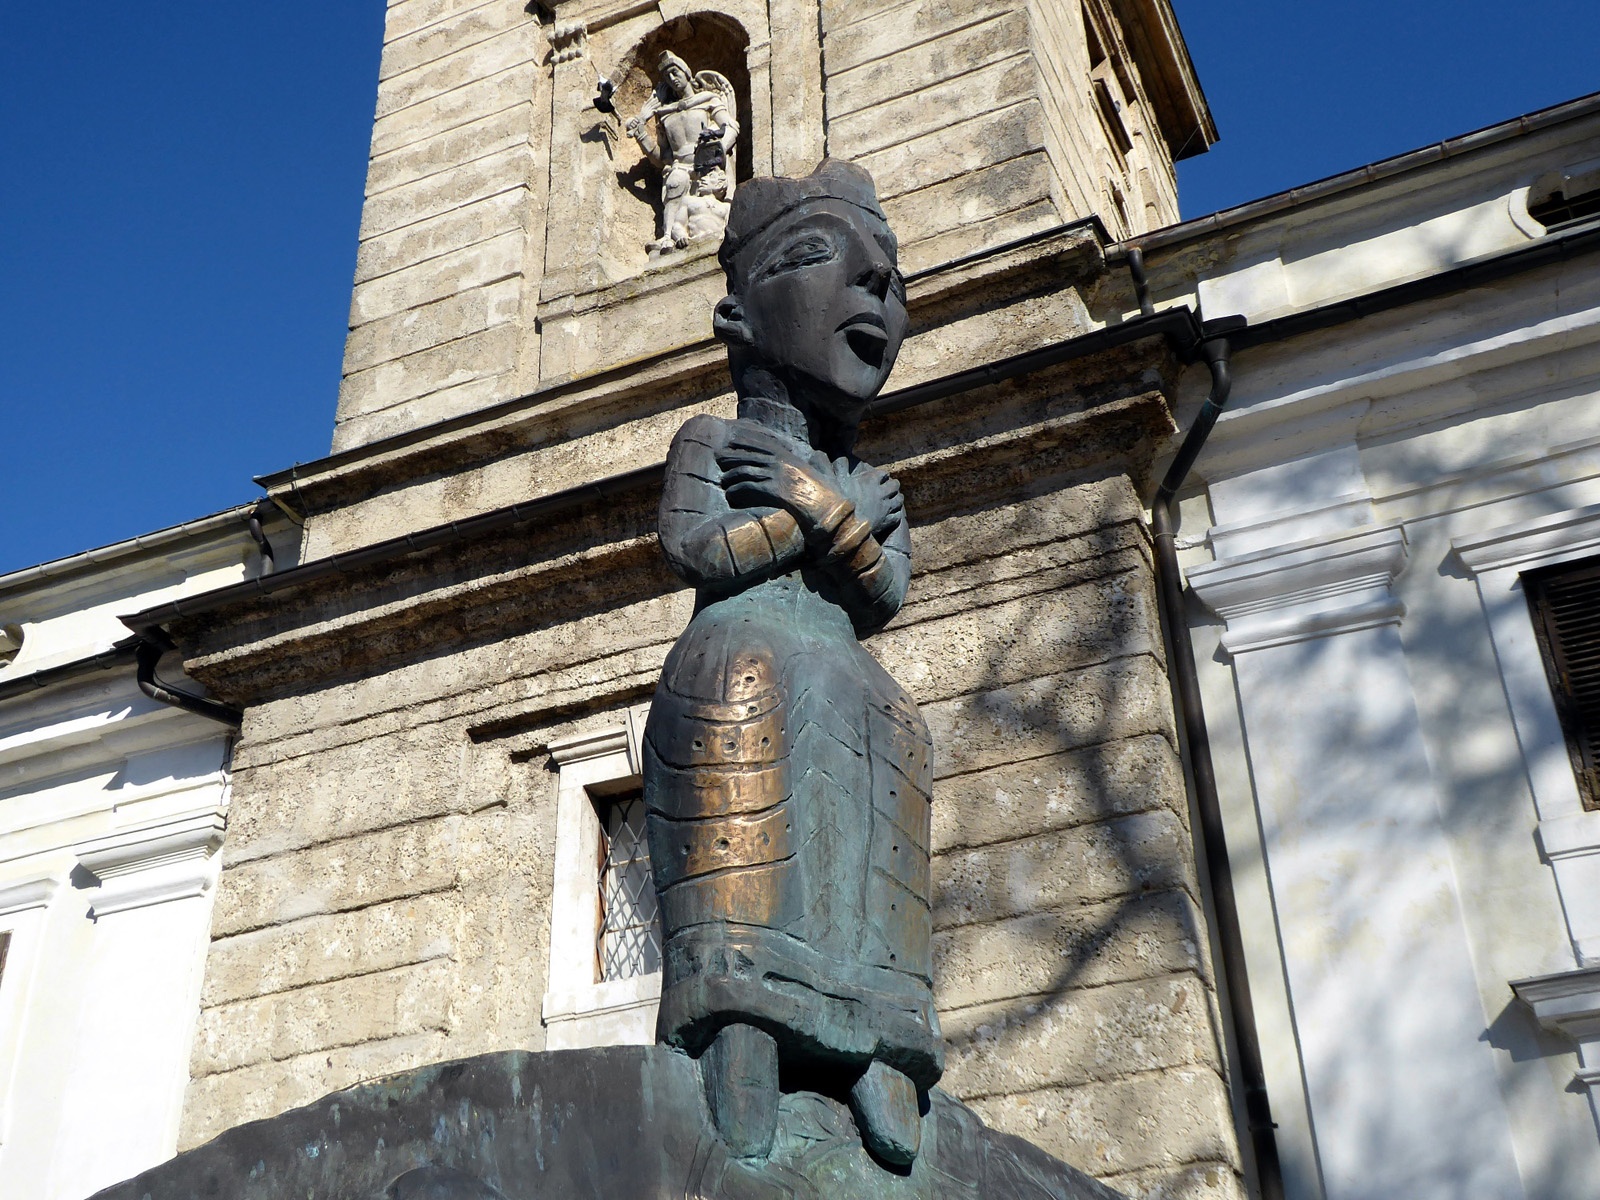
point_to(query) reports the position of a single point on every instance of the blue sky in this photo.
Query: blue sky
(182, 186)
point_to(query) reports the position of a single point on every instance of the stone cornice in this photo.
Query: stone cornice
(153, 864)
(1568, 1003)
(486, 577)
(1528, 544)
(19, 897)
(1309, 589)
(1061, 257)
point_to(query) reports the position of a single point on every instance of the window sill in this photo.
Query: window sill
(621, 1012)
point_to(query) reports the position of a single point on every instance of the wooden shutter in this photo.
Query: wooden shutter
(1566, 613)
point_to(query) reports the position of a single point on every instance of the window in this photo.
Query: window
(628, 942)
(604, 979)
(1565, 602)
(1110, 88)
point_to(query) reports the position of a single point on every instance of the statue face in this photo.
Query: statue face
(677, 80)
(824, 299)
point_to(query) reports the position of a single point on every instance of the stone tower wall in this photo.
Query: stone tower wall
(475, 277)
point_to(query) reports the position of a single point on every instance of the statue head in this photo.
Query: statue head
(814, 292)
(674, 74)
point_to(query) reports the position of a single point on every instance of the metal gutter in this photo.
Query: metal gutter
(1178, 325)
(1547, 251)
(1386, 168)
(118, 655)
(160, 539)
(148, 651)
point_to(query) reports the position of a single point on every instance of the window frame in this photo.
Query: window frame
(1583, 743)
(579, 1008)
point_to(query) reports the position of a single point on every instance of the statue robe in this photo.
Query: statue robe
(787, 783)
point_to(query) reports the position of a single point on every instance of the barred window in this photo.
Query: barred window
(628, 939)
(1565, 601)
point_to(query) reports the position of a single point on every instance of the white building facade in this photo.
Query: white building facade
(1413, 429)
(113, 808)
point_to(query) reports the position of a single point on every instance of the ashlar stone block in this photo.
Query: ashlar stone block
(1079, 1036)
(462, 29)
(1134, 937)
(852, 37)
(994, 86)
(430, 325)
(345, 1012)
(1115, 700)
(944, 57)
(448, 150)
(1170, 1120)
(407, 861)
(1041, 795)
(329, 946)
(1141, 853)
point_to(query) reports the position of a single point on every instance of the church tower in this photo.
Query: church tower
(433, 845)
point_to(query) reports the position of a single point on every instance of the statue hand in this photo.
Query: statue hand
(877, 498)
(634, 127)
(757, 468)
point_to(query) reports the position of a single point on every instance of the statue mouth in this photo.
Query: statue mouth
(868, 338)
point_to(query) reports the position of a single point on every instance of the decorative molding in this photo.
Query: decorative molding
(153, 864)
(1352, 510)
(1309, 589)
(617, 1012)
(1528, 544)
(19, 897)
(622, 738)
(1569, 837)
(581, 747)
(1568, 1003)
(569, 40)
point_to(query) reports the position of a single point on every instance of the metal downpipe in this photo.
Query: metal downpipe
(147, 654)
(1263, 1143)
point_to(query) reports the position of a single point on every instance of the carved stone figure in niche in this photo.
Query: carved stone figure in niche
(695, 132)
(786, 773)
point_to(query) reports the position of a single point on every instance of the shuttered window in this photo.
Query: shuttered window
(1566, 613)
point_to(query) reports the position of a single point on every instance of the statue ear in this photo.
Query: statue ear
(728, 323)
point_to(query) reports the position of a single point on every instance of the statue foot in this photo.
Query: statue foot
(740, 1072)
(888, 1113)
(681, 242)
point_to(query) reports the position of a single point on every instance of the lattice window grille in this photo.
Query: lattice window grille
(628, 942)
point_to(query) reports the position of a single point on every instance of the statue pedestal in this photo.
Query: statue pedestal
(622, 1121)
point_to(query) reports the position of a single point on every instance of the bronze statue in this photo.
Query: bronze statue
(786, 773)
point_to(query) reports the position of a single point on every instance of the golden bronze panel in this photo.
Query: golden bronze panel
(690, 848)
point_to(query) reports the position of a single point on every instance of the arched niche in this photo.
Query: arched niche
(706, 41)
(602, 299)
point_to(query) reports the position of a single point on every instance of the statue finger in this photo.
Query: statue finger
(743, 476)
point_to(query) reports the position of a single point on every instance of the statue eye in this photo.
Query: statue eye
(802, 252)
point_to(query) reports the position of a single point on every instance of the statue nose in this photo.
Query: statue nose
(875, 278)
